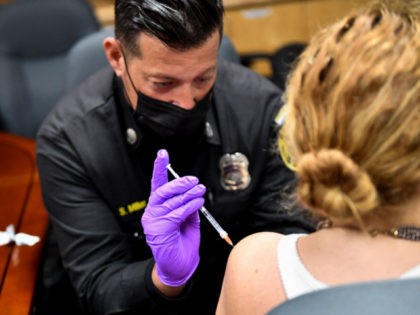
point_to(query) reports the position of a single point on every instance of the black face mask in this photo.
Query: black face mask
(170, 121)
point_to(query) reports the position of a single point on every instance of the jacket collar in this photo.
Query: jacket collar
(129, 127)
(212, 126)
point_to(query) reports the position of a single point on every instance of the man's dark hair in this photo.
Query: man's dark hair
(180, 24)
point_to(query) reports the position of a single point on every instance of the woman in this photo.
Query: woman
(353, 130)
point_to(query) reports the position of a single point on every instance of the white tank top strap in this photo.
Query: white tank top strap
(296, 279)
(412, 273)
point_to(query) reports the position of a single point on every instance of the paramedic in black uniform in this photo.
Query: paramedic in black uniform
(165, 89)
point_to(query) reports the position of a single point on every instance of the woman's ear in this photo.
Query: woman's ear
(114, 55)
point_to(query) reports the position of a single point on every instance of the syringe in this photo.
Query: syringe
(223, 234)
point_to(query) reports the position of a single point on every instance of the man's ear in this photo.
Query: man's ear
(114, 55)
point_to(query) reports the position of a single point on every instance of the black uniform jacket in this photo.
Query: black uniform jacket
(95, 167)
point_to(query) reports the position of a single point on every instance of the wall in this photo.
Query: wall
(257, 26)
(262, 26)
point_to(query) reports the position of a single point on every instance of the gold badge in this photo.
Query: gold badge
(234, 171)
(285, 153)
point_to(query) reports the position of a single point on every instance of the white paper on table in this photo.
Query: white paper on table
(19, 239)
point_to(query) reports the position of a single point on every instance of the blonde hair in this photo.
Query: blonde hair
(353, 117)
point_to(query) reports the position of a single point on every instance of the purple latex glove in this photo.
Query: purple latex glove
(171, 223)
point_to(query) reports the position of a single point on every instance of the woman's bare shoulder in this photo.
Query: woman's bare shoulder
(253, 250)
(257, 239)
(250, 269)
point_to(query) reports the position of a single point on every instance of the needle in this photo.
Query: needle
(223, 234)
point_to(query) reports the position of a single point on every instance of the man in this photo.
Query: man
(96, 151)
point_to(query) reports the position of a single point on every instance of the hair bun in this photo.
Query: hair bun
(332, 184)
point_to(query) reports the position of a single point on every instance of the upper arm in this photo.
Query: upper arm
(94, 249)
(251, 284)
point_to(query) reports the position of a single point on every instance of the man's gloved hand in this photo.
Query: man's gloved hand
(171, 223)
